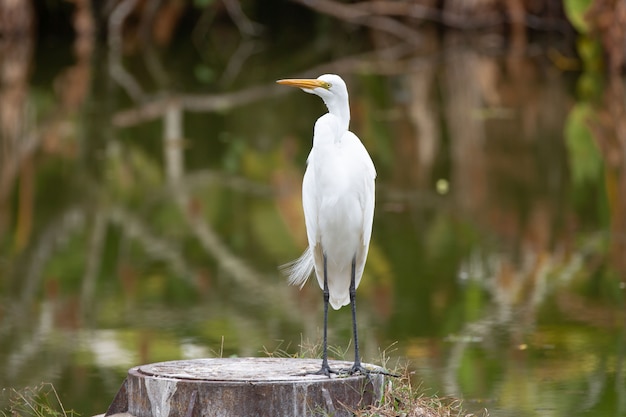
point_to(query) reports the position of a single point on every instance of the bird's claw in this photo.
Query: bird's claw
(357, 368)
(326, 371)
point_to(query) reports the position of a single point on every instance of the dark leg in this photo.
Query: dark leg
(325, 368)
(357, 367)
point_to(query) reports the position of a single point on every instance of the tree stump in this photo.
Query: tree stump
(248, 387)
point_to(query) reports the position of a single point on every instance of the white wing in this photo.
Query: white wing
(369, 175)
(365, 165)
(309, 201)
(325, 131)
(299, 270)
(335, 157)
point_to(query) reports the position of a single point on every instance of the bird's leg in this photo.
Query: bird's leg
(357, 367)
(325, 367)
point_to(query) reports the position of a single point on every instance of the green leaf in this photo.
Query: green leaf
(584, 156)
(204, 74)
(575, 11)
(201, 4)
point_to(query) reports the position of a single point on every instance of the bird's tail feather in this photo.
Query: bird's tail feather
(299, 270)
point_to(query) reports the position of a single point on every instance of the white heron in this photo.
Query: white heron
(338, 201)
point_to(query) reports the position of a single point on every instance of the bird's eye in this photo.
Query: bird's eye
(327, 85)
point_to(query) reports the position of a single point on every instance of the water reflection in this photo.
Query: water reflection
(141, 224)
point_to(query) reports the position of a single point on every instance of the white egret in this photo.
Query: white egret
(338, 201)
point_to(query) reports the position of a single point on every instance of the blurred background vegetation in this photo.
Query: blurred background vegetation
(150, 172)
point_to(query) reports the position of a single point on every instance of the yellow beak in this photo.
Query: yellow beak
(309, 84)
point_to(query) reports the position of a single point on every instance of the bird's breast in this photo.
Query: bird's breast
(340, 218)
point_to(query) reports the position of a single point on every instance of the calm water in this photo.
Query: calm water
(146, 202)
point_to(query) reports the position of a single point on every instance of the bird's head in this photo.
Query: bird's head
(330, 87)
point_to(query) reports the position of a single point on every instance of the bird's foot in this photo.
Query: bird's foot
(357, 368)
(325, 370)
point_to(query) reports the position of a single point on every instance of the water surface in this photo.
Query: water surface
(146, 202)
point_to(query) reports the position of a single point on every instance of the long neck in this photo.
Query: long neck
(340, 109)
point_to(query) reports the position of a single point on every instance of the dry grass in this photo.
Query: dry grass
(39, 401)
(307, 350)
(400, 398)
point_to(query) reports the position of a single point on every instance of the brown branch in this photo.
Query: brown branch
(354, 14)
(115, 38)
(420, 12)
(191, 102)
(380, 61)
(362, 12)
(396, 8)
(245, 25)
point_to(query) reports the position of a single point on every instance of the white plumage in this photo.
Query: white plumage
(337, 195)
(338, 201)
